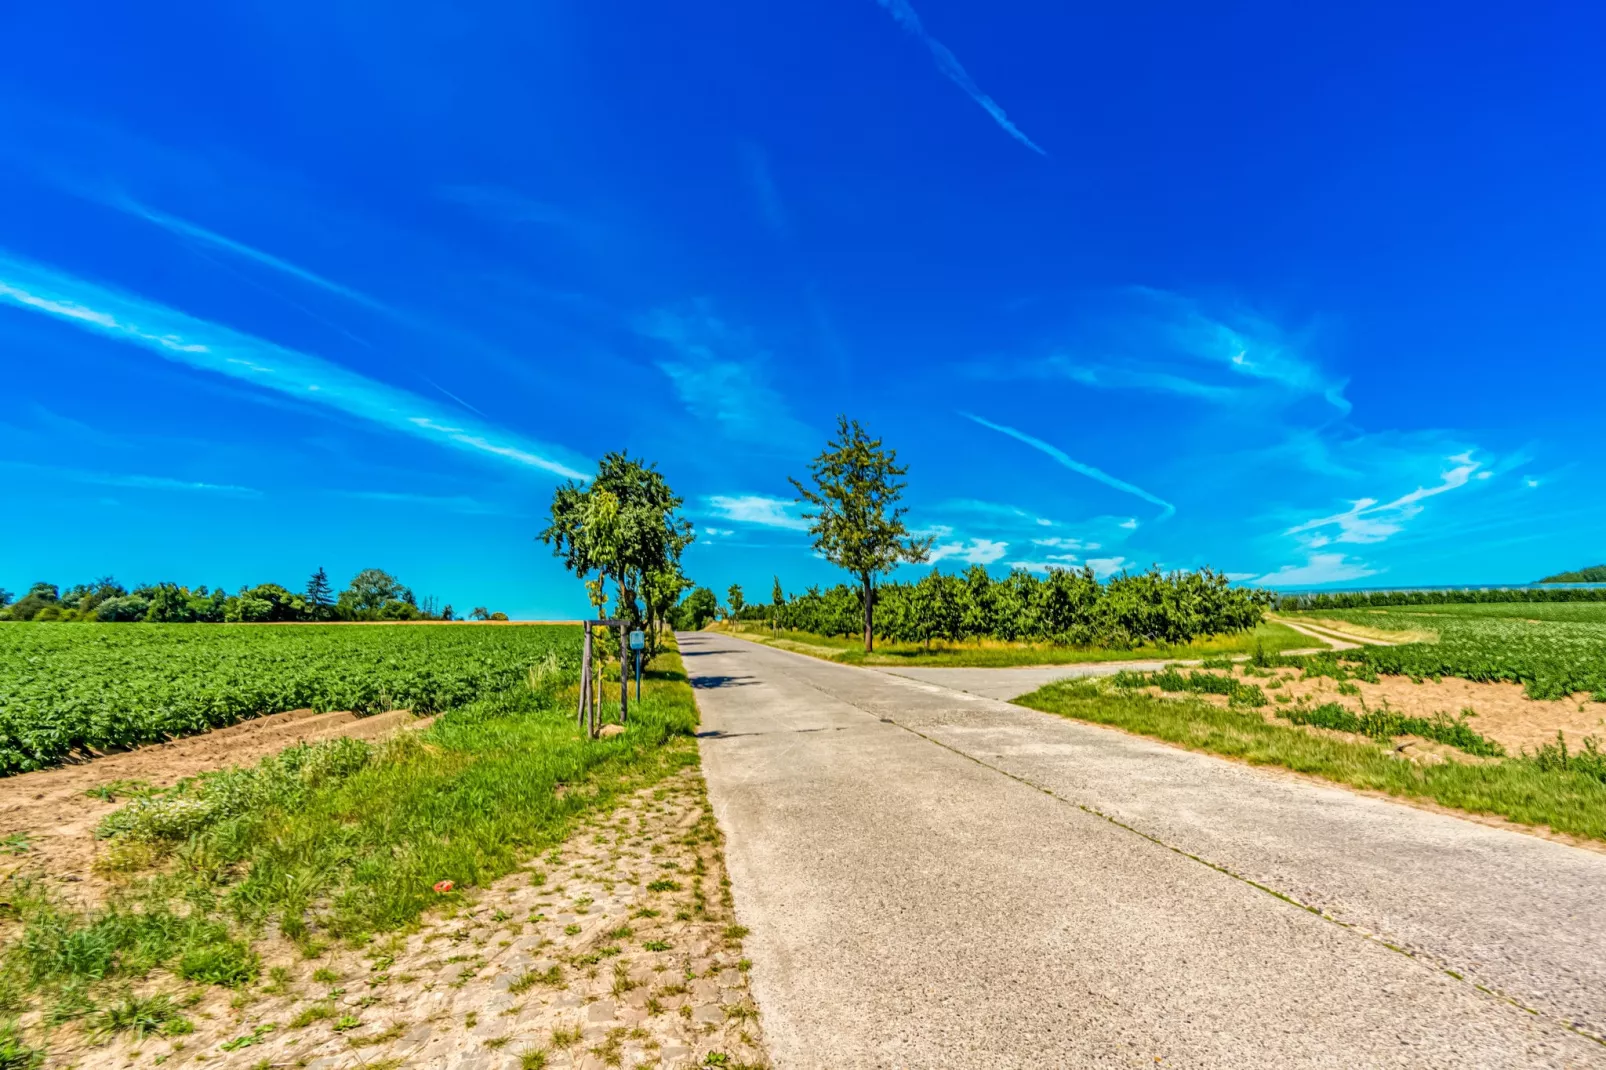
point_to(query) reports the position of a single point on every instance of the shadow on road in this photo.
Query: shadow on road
(722, 681)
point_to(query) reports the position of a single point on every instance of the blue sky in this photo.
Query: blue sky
(1313, 296)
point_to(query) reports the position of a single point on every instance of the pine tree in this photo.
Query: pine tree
(320, 594)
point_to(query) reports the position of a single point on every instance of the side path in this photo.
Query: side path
(930, 884)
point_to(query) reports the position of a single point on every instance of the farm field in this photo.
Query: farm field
(1441, 760)
(69, 691)
(194, 912)
(1269, 636)
(1553, 649)
(1491, 708)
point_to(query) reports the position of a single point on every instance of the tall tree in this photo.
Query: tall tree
(660, 591)
(320, 594)
(857, 523)
(777, 600)
(697, 610)
(371, 590)
(736, 600)
(625, 526)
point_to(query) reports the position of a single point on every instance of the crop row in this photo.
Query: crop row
(1550, 658)
(71, 691)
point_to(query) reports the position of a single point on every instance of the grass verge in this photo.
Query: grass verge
(1270, 637)
(328, 842)
(1564, 792)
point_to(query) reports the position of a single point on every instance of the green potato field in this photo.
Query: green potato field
(67, 690)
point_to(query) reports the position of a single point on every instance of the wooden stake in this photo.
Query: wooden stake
(624, 677)
(585, 675)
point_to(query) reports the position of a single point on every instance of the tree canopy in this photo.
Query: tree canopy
(1592, 574)
(856, 523)
(626, 527)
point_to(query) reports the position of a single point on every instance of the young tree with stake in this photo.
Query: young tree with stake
(857, 523)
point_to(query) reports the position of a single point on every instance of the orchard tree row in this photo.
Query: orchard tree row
(624, 529)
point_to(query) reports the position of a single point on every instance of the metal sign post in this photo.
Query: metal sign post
(638, 639)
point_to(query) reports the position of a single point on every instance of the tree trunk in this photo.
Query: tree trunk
(869, 615)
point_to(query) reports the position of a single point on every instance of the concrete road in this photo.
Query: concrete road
(939, 880)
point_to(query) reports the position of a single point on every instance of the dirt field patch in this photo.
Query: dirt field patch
(1501, 711)
(48, 818)
(617, 949)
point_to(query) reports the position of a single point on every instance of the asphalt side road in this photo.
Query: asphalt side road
(935, 879)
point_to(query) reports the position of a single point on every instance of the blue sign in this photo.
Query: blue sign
(638, 640)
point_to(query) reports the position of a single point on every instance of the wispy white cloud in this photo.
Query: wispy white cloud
(133, 481)
(716, 533)
(1011, 514)
(1102, 567)
(1317, 569)
(1166, 508)
(220, 350)
(186, 229)
(1110, 377)
(953, 70)
(765, 191)
(758, 509)
(1369, 521)
(971, 552)
(461, 504)
(1065, 544)
(718, 374)
(509, 206)
(1159, 342)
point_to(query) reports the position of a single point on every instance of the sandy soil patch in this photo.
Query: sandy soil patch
(1500, 711)
(48, 818)
(618, 949)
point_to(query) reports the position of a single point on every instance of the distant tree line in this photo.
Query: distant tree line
(373, 594)
(1067, 607)
(1370, 599)
(1592, 574)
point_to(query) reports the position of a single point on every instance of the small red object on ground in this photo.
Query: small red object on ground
(444, 886)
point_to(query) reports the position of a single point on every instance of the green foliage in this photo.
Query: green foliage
(320, 596)
(857, 523)
(1592, 574)
(285, 779)
(699, 607)
(1170, 679)
(373, 595)
(1555, 757)
(14, 1053)
(1387, 724)
(1552, 658)
(1064, 607)
(735, 600)
(1324, 600)
(64, 691)
(626, 526)
(334, 843)
(142, 1016)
